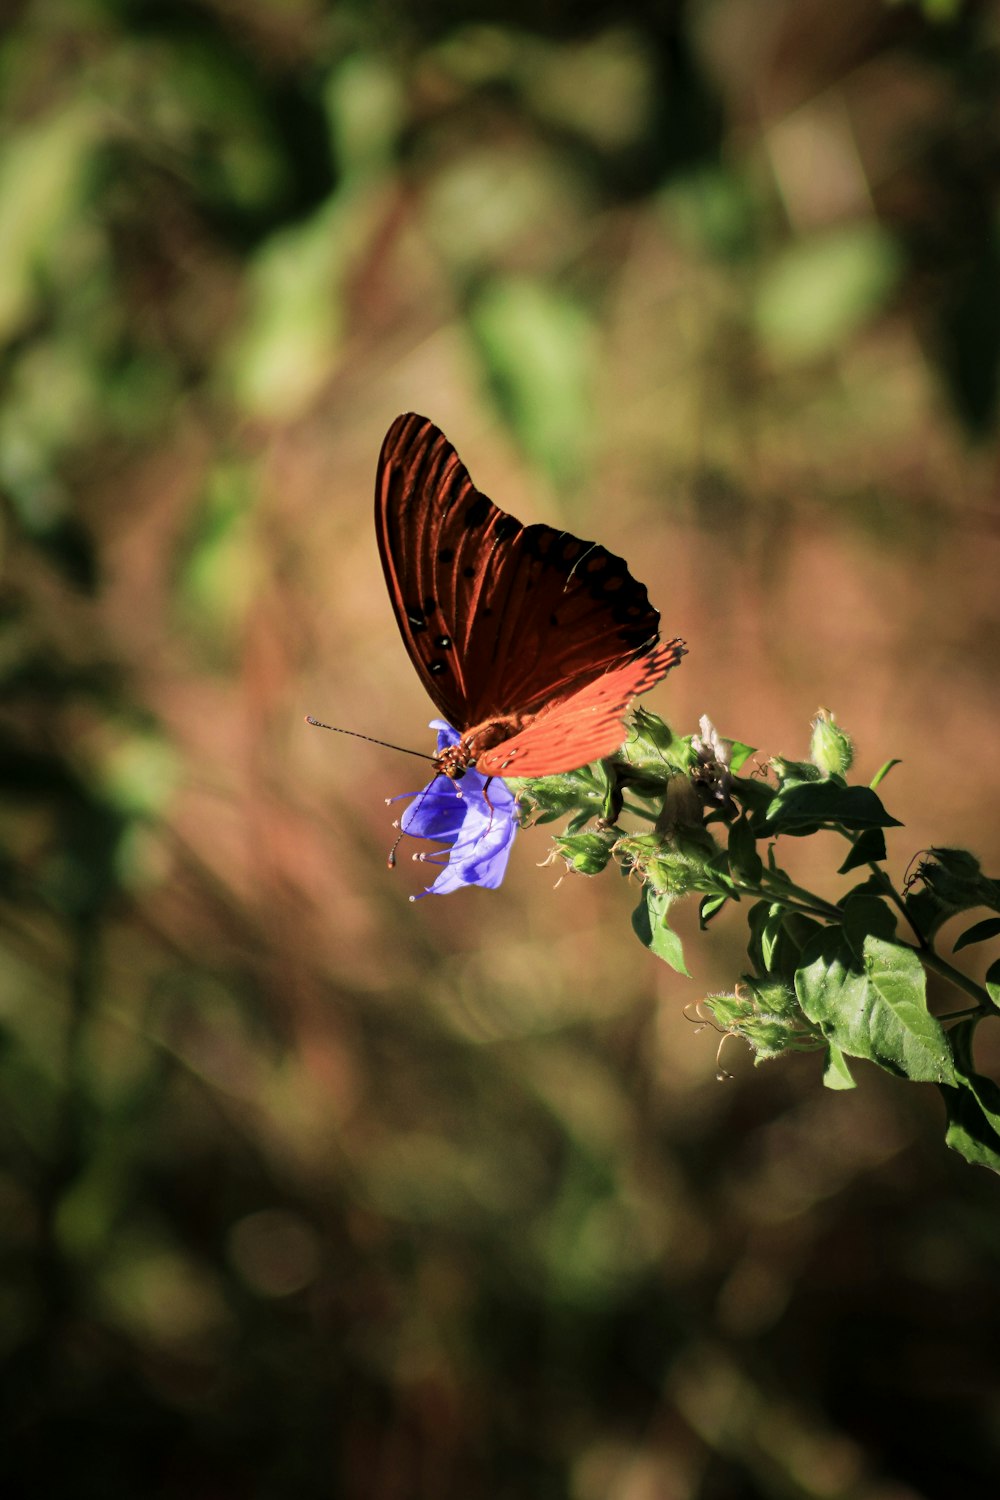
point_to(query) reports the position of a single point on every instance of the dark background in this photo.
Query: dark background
(305, 1189)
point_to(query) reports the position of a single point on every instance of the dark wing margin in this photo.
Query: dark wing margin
(497, 617)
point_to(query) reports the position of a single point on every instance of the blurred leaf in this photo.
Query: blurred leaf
(139, 773)
(537, 346)
(42, 182)
(713, 211)
(823, 288)
(602, 87)
(220, 567)
(290, 339)
(365, 102)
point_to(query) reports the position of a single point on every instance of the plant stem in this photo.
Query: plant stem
(813, 905)
(962, 981)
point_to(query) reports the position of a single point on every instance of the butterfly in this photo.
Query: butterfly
(531, 641)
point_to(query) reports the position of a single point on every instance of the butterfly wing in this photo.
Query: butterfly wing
(497, 617)
(576, 730)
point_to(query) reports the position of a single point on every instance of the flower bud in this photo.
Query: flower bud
(766, 1014)
(545, 798)
(675, 863)
(830, 750)
(652, 745)
(587, 853)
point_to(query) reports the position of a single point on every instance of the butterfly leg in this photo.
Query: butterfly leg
(486, 798)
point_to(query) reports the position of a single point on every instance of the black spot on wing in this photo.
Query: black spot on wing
(476, 512)
(446, 555)
(506, 527)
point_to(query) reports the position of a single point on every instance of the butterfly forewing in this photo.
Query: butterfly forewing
(498, 618)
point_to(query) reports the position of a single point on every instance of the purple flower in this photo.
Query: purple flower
(478, 833)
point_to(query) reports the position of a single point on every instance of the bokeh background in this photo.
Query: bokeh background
(308, 1189)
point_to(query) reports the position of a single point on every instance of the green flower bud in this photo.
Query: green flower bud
(545, 798)
(675, 864)
(587, 853)
(795, 770)
(766, 1014)
(653, 747)
(830, 750)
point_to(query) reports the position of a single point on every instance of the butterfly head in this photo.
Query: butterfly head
(453, 761)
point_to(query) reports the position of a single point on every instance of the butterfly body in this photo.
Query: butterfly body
(531, 641)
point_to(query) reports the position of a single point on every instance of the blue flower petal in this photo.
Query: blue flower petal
(477, 833)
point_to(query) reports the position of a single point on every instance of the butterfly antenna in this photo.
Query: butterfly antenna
(318, 724)
(391, 856)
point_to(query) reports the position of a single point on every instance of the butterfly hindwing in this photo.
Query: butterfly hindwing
(583, 727)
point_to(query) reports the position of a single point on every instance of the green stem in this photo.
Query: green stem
(890, 890)
(956, 977)
(810, 905)
(961, 1015)
(815, 906)
(639, 812)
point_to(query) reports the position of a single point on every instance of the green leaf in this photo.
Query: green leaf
(875, 1008)
(992, 982)
(980, 932)
(649, 922)
(865, 916)
(869, 848)
(770, 937)
(708, 908)
(801, 806)
(538, 347)
(743, 857)
(883, 772)
(973, 1106)
(778, 937)
(739, 754)
(752, 794)
(837, 1074)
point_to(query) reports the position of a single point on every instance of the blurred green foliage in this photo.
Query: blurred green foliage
(293, 1199)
